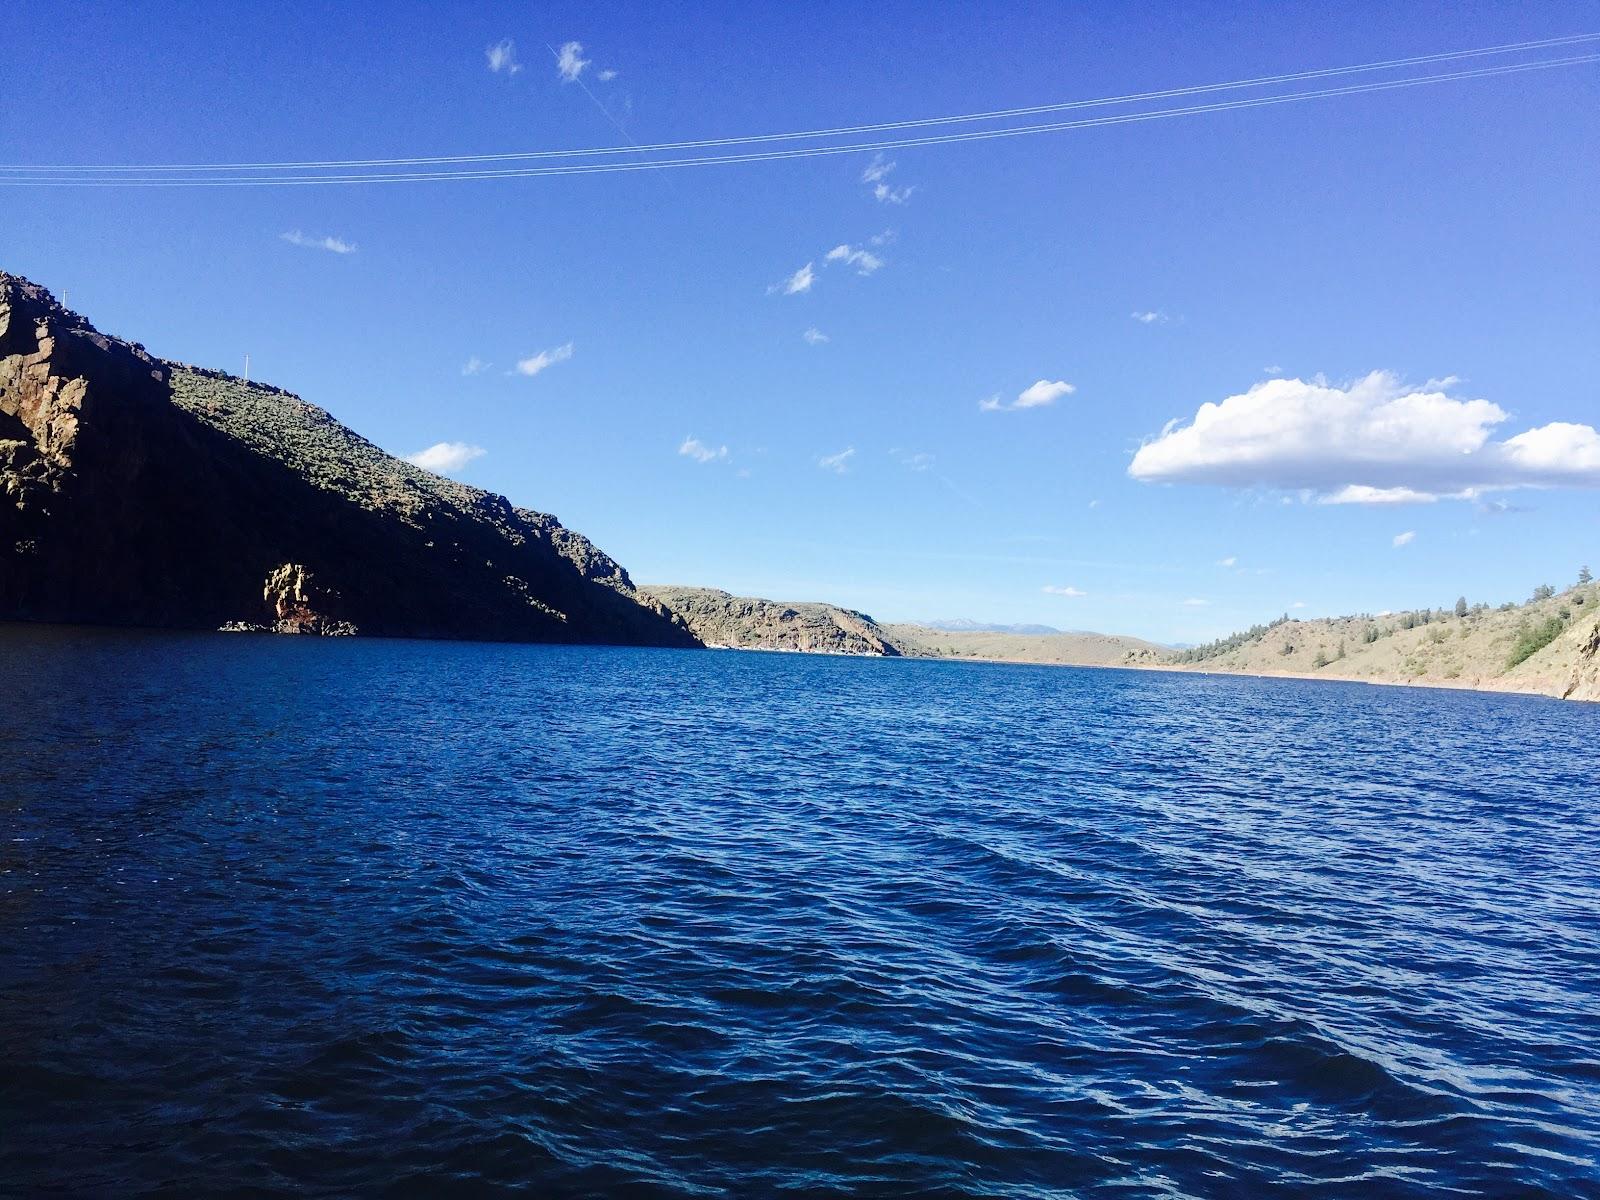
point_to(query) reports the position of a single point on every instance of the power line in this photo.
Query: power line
(840, 131)
(804, 152)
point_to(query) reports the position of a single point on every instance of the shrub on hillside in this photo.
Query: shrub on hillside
(1533, 638)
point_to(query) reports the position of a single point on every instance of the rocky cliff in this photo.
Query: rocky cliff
(137, 491)
(749, 623)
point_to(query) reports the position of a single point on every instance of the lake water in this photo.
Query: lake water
(351, 917)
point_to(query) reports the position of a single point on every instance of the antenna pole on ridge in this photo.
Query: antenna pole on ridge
(247, 368)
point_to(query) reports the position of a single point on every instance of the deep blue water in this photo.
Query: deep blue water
(285, 916)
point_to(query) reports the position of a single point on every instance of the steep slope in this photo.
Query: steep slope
(1548, 645)
(1060, 649)
(136, 491)
(748, 623)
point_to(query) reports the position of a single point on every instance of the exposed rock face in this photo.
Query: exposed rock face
(298, 605)
(1585, 682)
(748, 623)
(136, 491)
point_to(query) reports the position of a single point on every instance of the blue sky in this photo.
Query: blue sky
(1441, 233)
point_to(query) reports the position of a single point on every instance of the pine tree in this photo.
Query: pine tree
(1461, 607)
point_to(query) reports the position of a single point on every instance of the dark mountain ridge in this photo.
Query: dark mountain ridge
(136, 491)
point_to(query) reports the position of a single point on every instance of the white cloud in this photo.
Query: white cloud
(837, 463)
(912, 460)
(1036, 395)
(1405, 539)
(1152, 317)
(332, 244)
(444, 458)
(1274, 369)
(607, 75)
(570, 62)
(1375, 441)
(877, 170)
(864, 261)
(1195, 602)
(1360, 493)
(535, 363)
(694, 448)
(1094, 504)
(877, 175)
(1231, 561)
(502, 56)
(474, 366)
(815, 337)
(797, 283)
(1560, 451)
(1063, 591)
(1298, 604)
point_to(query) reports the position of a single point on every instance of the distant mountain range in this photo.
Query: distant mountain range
(965, 625)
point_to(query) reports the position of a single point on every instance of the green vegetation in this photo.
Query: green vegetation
(1461, 607)
(1533, 638)
(1233, 642)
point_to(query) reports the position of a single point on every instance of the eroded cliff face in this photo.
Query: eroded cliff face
(137, 491)
(1585, 681)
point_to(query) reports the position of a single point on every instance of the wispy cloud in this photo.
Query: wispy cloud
(876, 177)
(1375, 441)
(912, 460)
(474, 366)
(535, 363)
(1037, 395)
(502, 56)
(864, 261)
(333, 245)
(1274, 369)
(570, 62)
(1063, 591)
(815, 337)
(445, 458)
(1231, 561)
(1195, 602)
(1150, 317)
(693, 447)
(1405, 539)
(837, 463)
(797, 283)
(844, 254)
(607, 75)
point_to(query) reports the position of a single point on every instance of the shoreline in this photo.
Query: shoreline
(1485, 686)
(1478, 684)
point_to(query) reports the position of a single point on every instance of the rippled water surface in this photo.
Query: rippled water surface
(286, 916)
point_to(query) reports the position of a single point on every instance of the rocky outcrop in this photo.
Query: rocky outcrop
(299, 605)
(137, 491)
(1585, 681)
(747, 623)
